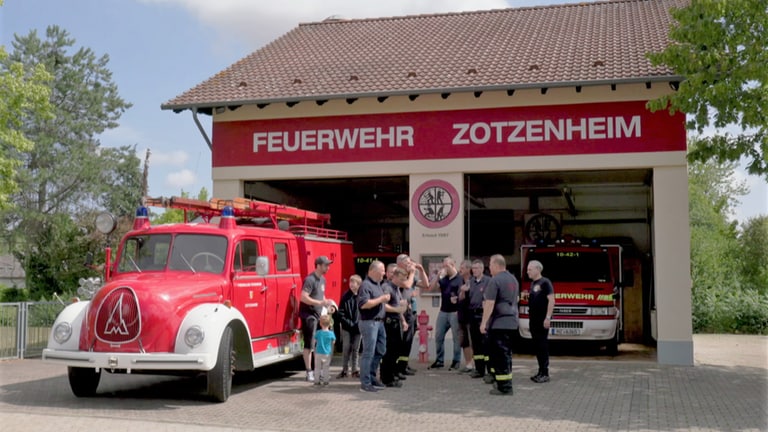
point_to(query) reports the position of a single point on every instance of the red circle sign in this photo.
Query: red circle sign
(435, 203)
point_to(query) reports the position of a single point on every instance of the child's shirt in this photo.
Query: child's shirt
(324, 340)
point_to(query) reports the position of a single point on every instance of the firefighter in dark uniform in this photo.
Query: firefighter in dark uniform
(500, 322)
(394, 324)
(477, 283)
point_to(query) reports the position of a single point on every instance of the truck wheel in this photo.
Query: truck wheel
(83, 381)
(612, 349)
(220, 377)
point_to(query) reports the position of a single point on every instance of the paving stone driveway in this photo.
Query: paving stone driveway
(585, 394)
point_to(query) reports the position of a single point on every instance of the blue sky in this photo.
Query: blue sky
(160, 48)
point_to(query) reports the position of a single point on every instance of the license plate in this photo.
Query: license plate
(565, 331)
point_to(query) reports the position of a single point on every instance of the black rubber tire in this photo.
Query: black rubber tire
(612, 348)
(83, 381)
(220, 377)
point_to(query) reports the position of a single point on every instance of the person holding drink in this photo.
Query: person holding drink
(449, 281)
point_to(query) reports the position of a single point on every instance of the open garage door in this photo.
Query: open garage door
(373, 210)
(507, 210)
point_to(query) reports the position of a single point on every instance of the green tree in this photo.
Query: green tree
(67, 175)
(22, 90)
(712, 195)
(177, 215)
(721, 49)
(753, 244)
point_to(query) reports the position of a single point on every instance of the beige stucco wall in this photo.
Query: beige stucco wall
(672, 280)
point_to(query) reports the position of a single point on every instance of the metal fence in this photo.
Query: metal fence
(25, 326)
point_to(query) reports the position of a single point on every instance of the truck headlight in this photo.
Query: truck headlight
(604, 311)
(194, 336)
(62, 332)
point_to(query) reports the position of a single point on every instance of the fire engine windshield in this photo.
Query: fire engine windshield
(184, 252)
(573, 266)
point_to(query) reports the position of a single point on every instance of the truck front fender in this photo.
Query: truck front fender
(72, 315)
(212, 319)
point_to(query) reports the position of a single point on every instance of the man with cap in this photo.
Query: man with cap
(312, 303)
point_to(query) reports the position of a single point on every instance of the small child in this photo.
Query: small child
(324, 342)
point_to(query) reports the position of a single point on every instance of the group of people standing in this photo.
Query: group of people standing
(379, 313)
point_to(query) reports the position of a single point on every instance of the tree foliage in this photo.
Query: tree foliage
(721, 50)
(177, 215)
(727, 261)
(753, 245)
(68, 174)
(712, 194)
(22, 90)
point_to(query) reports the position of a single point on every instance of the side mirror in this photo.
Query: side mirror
(262, 266)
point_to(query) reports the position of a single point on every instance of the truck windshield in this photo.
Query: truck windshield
(575, 266)
(185, 252)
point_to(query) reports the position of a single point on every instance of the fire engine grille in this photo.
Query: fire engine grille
(567, 324)
(571, 310)
(118, 319)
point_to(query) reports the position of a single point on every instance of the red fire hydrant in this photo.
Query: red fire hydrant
(424, 329)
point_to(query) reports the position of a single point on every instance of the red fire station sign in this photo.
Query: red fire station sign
(620, 127)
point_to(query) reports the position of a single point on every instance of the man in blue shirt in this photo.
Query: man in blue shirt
(371, 299)
(449, 282)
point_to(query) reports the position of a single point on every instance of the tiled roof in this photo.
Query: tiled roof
(566, 44)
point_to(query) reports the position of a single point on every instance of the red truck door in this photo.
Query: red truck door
(250, 290)
(286, 281)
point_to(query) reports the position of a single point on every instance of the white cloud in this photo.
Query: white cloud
(120, 136)
(258, 22)
(175, 158)
(179, 180)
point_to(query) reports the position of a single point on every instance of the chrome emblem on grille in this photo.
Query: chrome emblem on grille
(116, 323)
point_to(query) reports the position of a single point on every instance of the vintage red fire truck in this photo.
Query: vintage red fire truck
(587, 278)
(213, 296)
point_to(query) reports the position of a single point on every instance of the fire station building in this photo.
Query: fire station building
(470, 134)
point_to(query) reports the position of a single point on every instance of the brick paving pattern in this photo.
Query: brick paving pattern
(584, 395)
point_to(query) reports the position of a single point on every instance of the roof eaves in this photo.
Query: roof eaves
(496, 87)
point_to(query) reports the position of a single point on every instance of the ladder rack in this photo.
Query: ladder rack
(243, 207)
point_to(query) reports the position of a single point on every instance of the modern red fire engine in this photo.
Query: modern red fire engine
(212, 296)
(587, 278)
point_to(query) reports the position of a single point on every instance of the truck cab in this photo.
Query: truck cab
(587, 283)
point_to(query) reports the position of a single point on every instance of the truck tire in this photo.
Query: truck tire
(220, 377)
(612, 348)
(83, 381)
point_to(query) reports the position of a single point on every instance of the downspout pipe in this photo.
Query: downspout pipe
(200, 128)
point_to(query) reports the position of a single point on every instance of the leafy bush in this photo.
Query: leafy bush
(11, 295)
(730, 311)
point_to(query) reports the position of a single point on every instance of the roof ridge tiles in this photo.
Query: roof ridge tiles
(335, 19)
